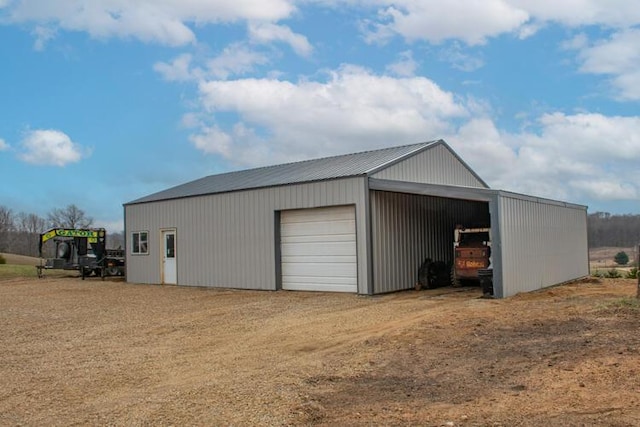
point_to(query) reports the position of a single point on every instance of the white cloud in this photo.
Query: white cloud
(50, 147)
(571, 157)
(179, 69)
(474, 21)
(405, 66)
(460, 60)
(617, 57)
(236, 59)
(172, 22)
(212, 140)
(577, 42)
(353, 109)
(575, 157)
(241, 144)
(43, 35)
(528, 30)
(160, 21)
(576, 13)
(471, 21)
(268, 32)
(3, 145)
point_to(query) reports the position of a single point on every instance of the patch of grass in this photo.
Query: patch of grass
(633, 273)
(613, 274)
(629, 305)
(10, 271)
(13, 270)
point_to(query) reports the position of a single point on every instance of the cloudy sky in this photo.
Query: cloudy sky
(105, 101)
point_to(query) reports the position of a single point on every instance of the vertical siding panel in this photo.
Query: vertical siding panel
(543, 243)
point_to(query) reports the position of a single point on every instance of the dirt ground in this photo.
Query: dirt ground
(90, 352)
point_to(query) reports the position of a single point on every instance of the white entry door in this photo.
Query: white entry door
(169, 271)
(318, 249)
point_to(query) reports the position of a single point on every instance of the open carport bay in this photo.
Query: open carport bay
(93, 352)
(409, 228)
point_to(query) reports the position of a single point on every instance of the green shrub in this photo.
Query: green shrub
(621, 258)
(597, 273)
(613, 274)
(3, 260)
(633, 273)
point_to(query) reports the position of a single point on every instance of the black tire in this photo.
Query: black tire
(423, 274)
(113, 271)
(455, 281)
(438, 274)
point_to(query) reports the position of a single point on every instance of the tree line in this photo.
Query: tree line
(20, 232)
(605, 229)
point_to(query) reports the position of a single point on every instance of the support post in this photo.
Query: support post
(637, 274)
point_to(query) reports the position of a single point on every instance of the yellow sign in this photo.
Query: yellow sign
(91, 235)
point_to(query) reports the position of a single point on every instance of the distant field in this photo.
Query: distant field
(20, 259)
(24, 266)
(602, 258)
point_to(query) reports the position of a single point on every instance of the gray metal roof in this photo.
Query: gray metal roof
(292, 173)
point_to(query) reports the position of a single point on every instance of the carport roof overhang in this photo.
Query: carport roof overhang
(457, 192)
(437, 190)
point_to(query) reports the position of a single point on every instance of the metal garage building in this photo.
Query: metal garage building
(360, 223)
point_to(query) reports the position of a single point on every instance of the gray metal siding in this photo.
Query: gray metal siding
(407, 228)
(228, 240)
(436, 165)
(543, 243)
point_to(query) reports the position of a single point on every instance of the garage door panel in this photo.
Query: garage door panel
(319, 269)
(317, 228)
(324, 279)
(318, 249)
(321, 238)
(328, 260)
(314, 266)
(323, 287)
(329, 214)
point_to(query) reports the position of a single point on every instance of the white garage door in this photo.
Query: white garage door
(318, 249)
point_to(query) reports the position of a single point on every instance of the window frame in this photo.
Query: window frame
(139, 242)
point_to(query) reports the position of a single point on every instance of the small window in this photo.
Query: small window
(139, 242)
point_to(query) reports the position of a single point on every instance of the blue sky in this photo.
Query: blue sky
(105, 101)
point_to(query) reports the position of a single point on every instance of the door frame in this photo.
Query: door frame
(163, 231)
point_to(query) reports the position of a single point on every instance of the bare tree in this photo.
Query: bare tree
(606, 229)
(29, 226)
(69, 217)
(7, 225)
(115, 240)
